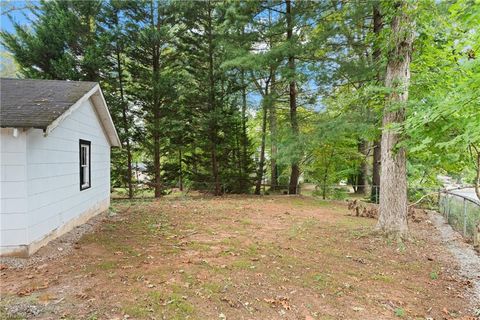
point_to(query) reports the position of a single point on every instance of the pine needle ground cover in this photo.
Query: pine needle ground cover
(242, 257)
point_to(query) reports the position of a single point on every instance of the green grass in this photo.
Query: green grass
(399, 312)
(301, 229)
(382, 278)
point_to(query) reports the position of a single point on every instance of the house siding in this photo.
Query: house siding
(13, 189)
(53, 187)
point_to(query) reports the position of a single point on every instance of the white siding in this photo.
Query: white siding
(53, 188)
(13, 188)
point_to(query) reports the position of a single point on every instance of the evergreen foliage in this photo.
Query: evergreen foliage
(227, 97)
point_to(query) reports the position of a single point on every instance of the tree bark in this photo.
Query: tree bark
(180, 171)
(295, 169)
(362, 172)
(377, 155)
(273, 136)
(212, 103)
(261, 164)
(477, 180)
(325, 174)
(125, 122)
(244, 139)
(393, 180)
(156, 108)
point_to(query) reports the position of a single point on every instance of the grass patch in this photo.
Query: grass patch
(242, 264)
(382, 278)
(136, 311)
(302, 228)
(198, 246)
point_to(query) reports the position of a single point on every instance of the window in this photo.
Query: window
(85, 181)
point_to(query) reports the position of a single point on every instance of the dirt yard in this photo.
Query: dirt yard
(275, 257)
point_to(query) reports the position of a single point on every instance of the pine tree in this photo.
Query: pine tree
(63, 42)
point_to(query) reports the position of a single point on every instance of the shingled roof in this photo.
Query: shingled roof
(43, 104)
(26, 103)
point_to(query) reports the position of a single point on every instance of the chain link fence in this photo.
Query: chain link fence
(462, 211)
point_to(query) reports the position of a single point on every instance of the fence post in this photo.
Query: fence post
(377, 201)
(464, 217)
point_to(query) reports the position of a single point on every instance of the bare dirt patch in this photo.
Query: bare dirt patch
(275, 257)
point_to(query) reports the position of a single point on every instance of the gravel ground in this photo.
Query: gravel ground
(464, 254)
(58, 247)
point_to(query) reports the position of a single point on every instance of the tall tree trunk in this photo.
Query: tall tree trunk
(261, 164)
(125, 122)
(377, 153)
(273, 136)
(393, 179)
(213, 105)
(377, 156)
(295, 169)
(362, 172)
(156, 107)
(244, 139)
(477, 180)
(180, 171)
(325, 174)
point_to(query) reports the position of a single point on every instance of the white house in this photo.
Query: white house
(55, 141)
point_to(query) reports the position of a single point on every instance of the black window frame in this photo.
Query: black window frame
(80, 144)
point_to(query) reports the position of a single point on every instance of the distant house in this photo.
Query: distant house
(55, 141)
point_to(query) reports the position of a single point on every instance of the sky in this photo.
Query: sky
(17, 15)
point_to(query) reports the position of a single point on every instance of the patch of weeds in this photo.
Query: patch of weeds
(326, 317)
(301, 228)
(93, 316)
(308, 202)
(360, 233)
(382, 277)
(212, 288)
(198, 246)
(401, 247)
(399, 312)
(136, 311)
(231, 242)
(433, 275)
(252, 250)
(5, 315)
(130, 250)
(179, 307)
(355, 222)
(354, 273)
(104, 265)
(109, 227)
(107, 265)
(320, 281)
(246, 222)
(242, 264)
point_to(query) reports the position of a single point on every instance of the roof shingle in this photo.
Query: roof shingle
(26, 103)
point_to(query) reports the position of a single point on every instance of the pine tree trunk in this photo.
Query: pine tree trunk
(377, 155)
(393, 179)
(213, 107)
(125, 122)
(156, 109)
(295, 169)
(273, 136)
(261, 163)
(362, 173)
(244, 139)
(180, 171)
